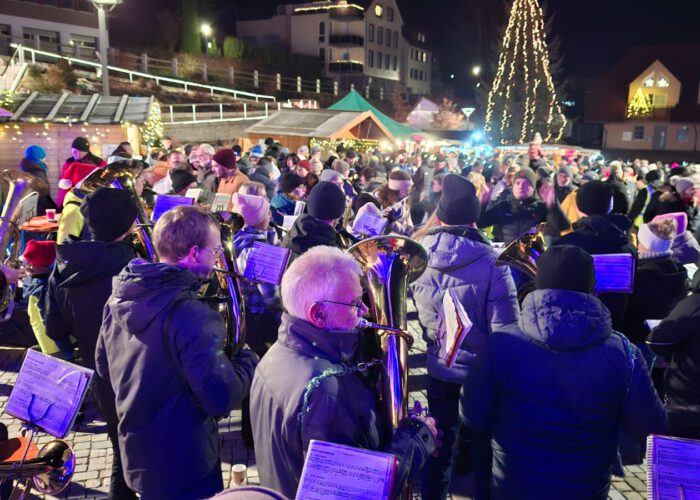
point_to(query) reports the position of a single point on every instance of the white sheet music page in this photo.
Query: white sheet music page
(334, 471)
(48, 392)
(221, 202)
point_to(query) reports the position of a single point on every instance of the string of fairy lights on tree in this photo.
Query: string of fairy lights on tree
(639, 106)
(523, 98)
(152, 129)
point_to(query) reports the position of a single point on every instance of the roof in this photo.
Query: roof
(607, 98)
(68, 108)
(355, 102)
(320, 123)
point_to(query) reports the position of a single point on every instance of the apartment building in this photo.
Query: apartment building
(362, 42)
(54, 25)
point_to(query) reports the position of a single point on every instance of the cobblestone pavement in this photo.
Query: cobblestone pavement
(94, 453)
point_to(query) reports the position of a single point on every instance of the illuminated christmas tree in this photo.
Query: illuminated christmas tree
(523, 99)
(639, 106)
(152, 130)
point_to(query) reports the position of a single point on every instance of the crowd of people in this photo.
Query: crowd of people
(553, 389)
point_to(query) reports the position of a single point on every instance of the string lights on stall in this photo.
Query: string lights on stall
(523, 99)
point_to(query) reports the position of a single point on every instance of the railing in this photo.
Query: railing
(345, 67)
(212, 113)
(346, 40)
(35, 54)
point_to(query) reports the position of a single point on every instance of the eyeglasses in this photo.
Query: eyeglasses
(358, 303)
(214, 251)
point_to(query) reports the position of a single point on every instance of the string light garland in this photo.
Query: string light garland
(639, 106)
(152, 130)
(523, 99)
(329, 145)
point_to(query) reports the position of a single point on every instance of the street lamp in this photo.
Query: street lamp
(102, 6)
(206, 31)
(476, 70)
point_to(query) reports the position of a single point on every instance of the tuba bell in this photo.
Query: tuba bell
(123, 175)
(390, 263)
(50, 472)
(523, 252)
(19, 186)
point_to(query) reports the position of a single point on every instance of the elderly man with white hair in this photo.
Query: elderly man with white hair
(308, 386)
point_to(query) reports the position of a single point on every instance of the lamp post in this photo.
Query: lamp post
(206, 31)
(102, 6)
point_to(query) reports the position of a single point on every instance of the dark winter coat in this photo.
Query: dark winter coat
(461, 259)
(667, 201)
(169, 381)
(553, 395)
(270, 186)
(37, 170)
(622, 198)
(659, 283)
(678, 338)
(562, 192)
(514, 218)
(603, 234)
(342, 409)
(308, 232)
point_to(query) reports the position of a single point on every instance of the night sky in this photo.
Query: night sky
(594, 33)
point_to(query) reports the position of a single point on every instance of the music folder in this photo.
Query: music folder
(266, 263)
(165, 202)
(614, 273)
(457, 326)
(673, 468)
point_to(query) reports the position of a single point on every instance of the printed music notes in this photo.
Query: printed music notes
(673, 468)
(334, 471)
(266, 263)
(48, 393)
(221, 202)
(614, 273)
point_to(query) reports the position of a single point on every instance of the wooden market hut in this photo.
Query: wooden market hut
(296, 127)
(52, 121)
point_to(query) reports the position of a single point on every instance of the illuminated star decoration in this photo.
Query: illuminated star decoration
(523, 99)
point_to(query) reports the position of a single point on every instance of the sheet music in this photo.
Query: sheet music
(165, 202)
(299, 207)
(367, 224)
(652, 323)
(266, 263)
(289, 221)
(457, 326)
(194, 193)
(614, 273)
(673, 466)
(221, 202)
(333, 471)
(48, 392)
(27, 208)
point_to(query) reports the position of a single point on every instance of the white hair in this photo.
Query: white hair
(319, 274)
(207, 149)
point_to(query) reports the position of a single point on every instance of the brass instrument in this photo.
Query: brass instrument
(232, 305)
(19, 186)
(523, 252)
(50, 472)
(123, 175)
(390, 263)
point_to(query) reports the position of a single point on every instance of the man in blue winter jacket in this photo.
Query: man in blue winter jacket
(553, 394)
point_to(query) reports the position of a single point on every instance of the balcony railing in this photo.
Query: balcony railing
(345, 67)
(346, 14)
(347, 40)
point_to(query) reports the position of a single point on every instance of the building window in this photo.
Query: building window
(396, 39)
(682, 134)
(412, 73)
(389, 14)
(380, 35)
(648, 81)
(370, 59)
(425, 57)
(379, 60)
(321, 31)
(662, 82)
(370, 33)
(322, 55)
(388, 38)
(378, 10)
(386, 61)
(396, 62)
(638, 134)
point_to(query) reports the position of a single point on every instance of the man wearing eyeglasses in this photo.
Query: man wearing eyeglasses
(318, 339)
(161, 349)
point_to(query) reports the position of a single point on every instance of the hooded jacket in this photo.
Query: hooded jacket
(604, 234)
(461, 259)
(553, 395)
(169, 380)
(514, 218)
(308, 232)
(342, 409)
(678, 338)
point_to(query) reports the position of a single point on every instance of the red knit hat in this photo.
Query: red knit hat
(225, 158)
(305, 164)
(40, 254)
(75, 174)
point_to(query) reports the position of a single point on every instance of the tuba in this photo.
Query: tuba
(390, 263)
(50, 472)
(523, 252)
(231, 304)
(123, 175)
(19, 186)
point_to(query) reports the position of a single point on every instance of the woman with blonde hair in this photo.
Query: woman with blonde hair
(483, 192)
(395, 202)
(252, 187)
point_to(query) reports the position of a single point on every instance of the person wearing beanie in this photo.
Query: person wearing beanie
(225, 167)
(204, 171)
(33, 163)
(600, 232)
(564, 185)
(80, 153)
(256, 152)
(649, 184)
(292, 189)
(623, 193)
(38, 258)
(78, 290)
(565, 369)
(182, 181)
(461, 260)
(660, 282)
(679, 195)
(515, 215)
(324, 208)
(266, 173)
(303, 168)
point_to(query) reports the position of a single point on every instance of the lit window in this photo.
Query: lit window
(378, 10)
(648, 82)
(662, 82)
